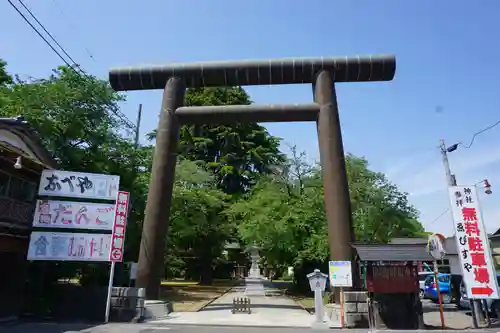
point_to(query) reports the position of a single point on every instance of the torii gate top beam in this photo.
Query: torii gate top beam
(255, 72)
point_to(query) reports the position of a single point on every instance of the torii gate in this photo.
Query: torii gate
(322, 73)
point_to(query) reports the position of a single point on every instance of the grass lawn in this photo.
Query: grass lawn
(189, 296)
(304, 300)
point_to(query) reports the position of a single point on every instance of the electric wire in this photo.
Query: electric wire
(80, 72)
(478, 133)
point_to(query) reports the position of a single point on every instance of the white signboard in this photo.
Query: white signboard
(69, 246)
(73, 215)
(59, 183)
(472, 243)
(340, 273)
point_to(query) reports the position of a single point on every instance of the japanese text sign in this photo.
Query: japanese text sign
(59, 183)
(73, 215)
(472, 243)
(119, 226)
(340, 273)
(68, 246)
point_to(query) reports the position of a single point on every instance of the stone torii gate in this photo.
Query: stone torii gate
(322, 73)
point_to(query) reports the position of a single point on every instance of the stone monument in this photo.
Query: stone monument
(254, 282)
(254, 268)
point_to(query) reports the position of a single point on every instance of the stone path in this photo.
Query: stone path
(272, 310)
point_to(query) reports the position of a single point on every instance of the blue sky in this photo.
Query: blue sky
(445, 85)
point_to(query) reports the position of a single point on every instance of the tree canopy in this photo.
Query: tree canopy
(284, 213)
(232, 182)
(237, 154)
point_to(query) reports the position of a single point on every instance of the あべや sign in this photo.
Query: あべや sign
(119, 227)
(472, 243)
(58, 183)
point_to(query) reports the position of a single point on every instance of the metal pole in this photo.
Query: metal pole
(110, 289)
(134, 156)
(450, 178)
(137, 126)
(438, 290)
(477, 314)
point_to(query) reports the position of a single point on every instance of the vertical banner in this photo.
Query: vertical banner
(472, 243)
(119, 227)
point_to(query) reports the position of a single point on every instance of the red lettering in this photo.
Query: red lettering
(478, 259)
(471, 228)
(481, 275)
(469, 214)
(475, 244)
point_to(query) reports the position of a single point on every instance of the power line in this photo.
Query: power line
(440, 216)
(478, 133)
(80, 72)
(48, 33)
(39, 34)
(72, 26)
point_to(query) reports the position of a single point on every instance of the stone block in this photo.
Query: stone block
(154, 310)
(351, 307)
(356, 320)
(332, 312)
(355, 296)
(363, 307)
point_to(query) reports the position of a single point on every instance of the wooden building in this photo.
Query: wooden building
(22, 159)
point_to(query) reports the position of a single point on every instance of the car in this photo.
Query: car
(445, 288)
(493, 305)
(421, 282)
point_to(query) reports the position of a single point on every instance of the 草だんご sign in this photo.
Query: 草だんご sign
(472, 243)
(119, 227)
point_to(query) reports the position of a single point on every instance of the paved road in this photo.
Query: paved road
(145, 328)
(272, 310)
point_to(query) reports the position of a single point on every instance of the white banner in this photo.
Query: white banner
(69, 246)
(472, 243)
(73, 215)
(59, 183)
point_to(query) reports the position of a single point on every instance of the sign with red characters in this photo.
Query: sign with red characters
(119, 227)
(472, 243)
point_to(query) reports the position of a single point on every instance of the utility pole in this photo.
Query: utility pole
(137, 126)
(134, 168)
(476, 308)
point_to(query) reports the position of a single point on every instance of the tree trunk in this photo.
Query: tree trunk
(206, 271)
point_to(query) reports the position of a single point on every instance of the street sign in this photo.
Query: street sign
(472, 243)
(340, 273)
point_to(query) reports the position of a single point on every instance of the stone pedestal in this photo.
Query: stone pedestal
(254, 287)
(355, 310)
(154, 310)
(254, 268)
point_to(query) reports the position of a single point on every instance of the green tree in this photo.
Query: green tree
(5, 78)
(75, 118)
(285, 214)
(197, 231)
(237, 154)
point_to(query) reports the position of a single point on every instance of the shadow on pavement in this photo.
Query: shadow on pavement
(44, 327)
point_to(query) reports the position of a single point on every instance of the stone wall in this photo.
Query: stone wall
(355, 310)
(383, 311)
(70, 302)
